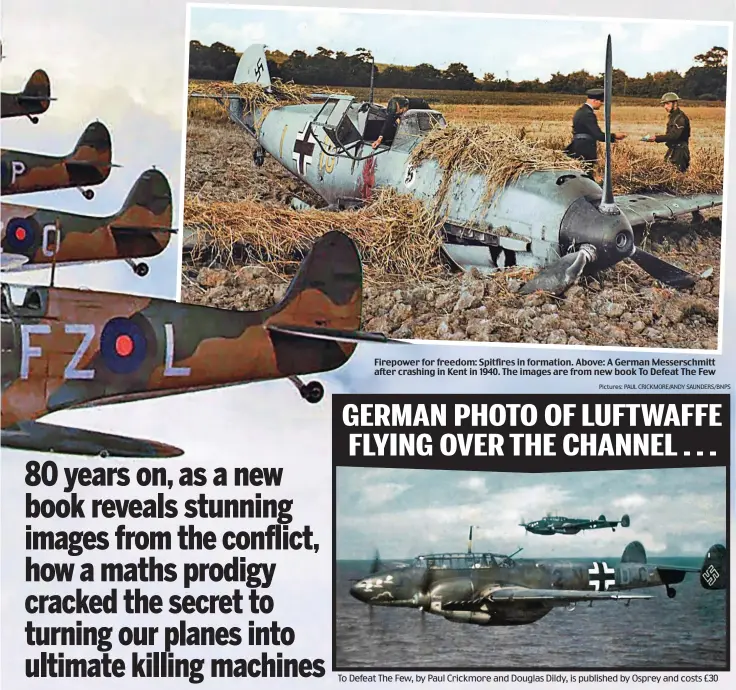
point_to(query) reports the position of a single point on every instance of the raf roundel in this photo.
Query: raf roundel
(123, 345)
(20, 235)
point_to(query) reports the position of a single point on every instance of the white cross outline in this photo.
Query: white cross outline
(305, 157)
(602, 569)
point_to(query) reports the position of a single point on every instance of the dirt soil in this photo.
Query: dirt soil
(619, 307)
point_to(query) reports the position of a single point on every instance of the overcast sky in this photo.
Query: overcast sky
(525, 48)
(132, 79)
(673, 512)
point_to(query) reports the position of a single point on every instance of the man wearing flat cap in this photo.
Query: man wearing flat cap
(586, 133)
(677, 135)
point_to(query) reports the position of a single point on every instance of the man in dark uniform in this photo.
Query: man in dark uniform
(677, 135)
(586, 133)
(397, 106)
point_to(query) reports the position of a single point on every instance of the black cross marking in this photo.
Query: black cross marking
(601, 577)
(259, 69)
(304, 148)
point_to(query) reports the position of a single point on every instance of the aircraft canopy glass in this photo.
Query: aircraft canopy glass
(462, 561)
(415, 124)
(23, 300)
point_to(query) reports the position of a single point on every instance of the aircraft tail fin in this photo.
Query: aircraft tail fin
(316, 325)
(714, 571)
(634, 553)
(94, 146)
(625, 520)
(150, 196)
(37, 88)
(327, 291)
(253, 67)
(142, 227)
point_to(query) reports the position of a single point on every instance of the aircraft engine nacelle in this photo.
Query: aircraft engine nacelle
(472, 617)
(452, 590)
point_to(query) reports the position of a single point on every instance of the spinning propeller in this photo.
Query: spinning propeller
(556, 278)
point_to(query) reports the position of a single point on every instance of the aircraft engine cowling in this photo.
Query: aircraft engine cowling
(453, 590)
(472, 617)
(611, 236)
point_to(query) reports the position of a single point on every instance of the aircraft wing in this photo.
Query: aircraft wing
(641, 209)
(551, 597)
(50, 438)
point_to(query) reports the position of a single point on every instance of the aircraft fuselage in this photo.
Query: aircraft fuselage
(528, 223)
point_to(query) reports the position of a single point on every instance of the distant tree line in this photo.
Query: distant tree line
(705, 80)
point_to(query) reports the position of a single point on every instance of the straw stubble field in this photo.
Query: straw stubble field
(409, 293)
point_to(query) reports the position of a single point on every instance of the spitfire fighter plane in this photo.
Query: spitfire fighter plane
(34, 100)
(88, 164)
(561, 525)
(492, 589)
(560, 222)
(65, 349)
(37, 237)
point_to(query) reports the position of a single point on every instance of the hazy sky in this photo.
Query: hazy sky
(525, 48)
(406, 512)
(132, 79)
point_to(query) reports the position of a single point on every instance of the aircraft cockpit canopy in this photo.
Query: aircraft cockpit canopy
(27, 301)
(462, 561)
(347, 123)
(415, 124)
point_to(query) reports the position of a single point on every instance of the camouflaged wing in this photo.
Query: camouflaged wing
(644, 209)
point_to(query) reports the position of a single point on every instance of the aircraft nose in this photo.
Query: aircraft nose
(358, 590)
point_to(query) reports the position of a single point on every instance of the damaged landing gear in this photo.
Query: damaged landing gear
(259, 156)
(140, 269)
(312, 392)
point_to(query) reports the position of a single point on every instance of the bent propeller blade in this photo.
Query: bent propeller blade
(559, 276)
(661, 270)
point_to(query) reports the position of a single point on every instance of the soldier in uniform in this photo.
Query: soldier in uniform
(586, 133)
(397, 106)
(677, 135)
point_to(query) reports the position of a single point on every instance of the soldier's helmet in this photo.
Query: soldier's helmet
(669, 97)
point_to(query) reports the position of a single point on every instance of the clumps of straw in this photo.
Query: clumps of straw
(397, 237)
(499, 153)
(644, 171)
(502, 154)
(254, 96)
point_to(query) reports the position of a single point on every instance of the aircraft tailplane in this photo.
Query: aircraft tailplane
(714, 571)
(625, 520)
(253, 67)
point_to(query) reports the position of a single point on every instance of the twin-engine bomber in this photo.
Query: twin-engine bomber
(491, 589)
